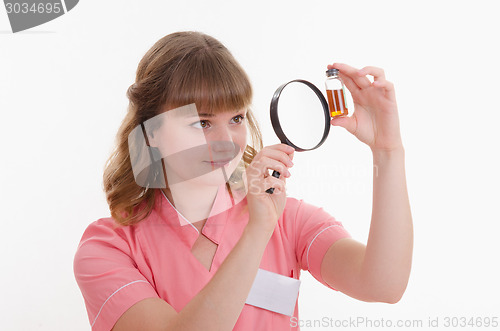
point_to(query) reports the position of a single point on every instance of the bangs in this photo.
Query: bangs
(212, 80)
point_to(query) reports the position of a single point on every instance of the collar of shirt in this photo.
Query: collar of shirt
(213, 227)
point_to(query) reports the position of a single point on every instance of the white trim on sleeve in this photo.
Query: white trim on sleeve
(307, 256)
(136, 281)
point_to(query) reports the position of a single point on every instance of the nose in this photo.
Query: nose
(221, 142)
(222, 133)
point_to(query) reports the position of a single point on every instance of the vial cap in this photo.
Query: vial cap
(332, 72)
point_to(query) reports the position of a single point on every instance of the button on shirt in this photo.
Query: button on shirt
(117, 266)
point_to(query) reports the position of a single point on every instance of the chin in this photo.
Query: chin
(215, 177)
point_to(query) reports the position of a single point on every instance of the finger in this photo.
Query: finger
(261, 164)
(278, 155)
(388, 86)
(279, 185)
(347, 70)
(349, 83)
(261, 185)
(269, 164)
(272, 179)
(348, 123)
(283, 147)
(377, 73)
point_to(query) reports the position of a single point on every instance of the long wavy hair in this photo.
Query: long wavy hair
(180, 69)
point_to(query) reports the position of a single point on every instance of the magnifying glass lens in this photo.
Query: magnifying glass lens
(301, 115)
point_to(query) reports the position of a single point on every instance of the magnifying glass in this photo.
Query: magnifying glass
(302, 113)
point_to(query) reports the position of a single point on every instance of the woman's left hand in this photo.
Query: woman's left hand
(375, 119)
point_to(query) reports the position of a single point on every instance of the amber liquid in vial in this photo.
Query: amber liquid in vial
(336, 102)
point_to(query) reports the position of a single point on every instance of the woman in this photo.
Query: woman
(192, 229)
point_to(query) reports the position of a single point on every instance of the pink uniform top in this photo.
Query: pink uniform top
(117, 266)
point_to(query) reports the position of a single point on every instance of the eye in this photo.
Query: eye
(204, 123)
(200, 122)
(241, 118)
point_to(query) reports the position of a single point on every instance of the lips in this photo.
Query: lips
(219, 162)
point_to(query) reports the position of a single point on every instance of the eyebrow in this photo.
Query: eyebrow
(202, 114)
(209, 115)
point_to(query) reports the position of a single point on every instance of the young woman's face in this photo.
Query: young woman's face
(198, 147)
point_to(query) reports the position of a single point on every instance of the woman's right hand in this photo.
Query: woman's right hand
(265, 209)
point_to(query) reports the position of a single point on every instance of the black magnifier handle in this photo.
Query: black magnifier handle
(277, 175)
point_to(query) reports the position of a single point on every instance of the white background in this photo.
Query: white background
(62, 99)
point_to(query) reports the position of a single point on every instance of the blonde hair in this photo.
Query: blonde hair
(181, 68)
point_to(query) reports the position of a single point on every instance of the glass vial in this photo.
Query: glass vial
(335, 93)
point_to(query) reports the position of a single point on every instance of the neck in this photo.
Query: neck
(182, 195)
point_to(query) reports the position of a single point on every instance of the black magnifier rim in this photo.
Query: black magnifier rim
(275, 121)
